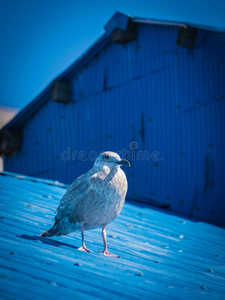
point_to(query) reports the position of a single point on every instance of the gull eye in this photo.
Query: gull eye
(106, 157)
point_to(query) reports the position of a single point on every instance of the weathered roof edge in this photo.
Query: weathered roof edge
(176, 23)
(34, 179)
(118, 20)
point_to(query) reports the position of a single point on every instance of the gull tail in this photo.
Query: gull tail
(55, 230)
(61, 227)
(47, 233)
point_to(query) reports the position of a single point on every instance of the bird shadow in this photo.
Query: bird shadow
(45, 240)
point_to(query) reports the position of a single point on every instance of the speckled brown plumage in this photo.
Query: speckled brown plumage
(93, 200)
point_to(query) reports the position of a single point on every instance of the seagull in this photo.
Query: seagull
(93, 200)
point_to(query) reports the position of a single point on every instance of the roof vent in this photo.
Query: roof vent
(120, 28)
(186, 37)
(61, 91)
(10, 141)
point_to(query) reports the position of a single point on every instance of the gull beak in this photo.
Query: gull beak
(124, 163)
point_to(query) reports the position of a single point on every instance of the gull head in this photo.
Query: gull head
(110, 159)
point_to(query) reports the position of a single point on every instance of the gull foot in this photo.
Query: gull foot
(110, 254)
(84, 248)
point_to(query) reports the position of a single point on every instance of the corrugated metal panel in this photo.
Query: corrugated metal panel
(167, 99)
(161, 256)
(118, 20)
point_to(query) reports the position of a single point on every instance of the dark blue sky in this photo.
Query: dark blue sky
(41, 38)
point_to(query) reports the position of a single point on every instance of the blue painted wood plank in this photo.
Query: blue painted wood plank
(162, 255)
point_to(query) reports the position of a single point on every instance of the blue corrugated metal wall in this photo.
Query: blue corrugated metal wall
(167, 99)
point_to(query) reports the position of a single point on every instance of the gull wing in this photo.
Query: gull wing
(74, 193)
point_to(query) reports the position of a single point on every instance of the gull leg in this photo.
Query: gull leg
(83, 247)
(106, 252)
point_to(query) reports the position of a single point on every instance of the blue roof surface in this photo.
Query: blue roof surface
(162, 256)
